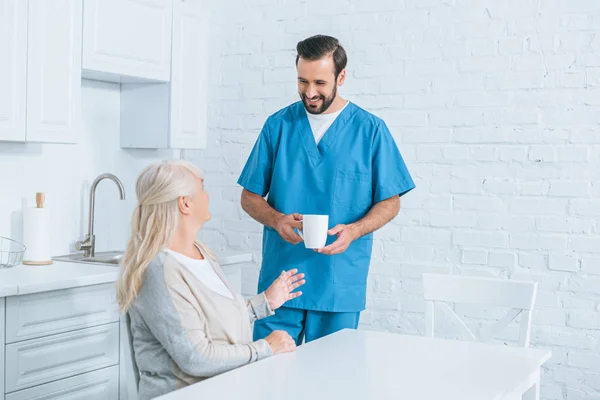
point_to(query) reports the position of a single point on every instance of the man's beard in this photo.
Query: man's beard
(325, 100)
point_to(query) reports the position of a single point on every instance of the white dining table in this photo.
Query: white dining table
(360, 364)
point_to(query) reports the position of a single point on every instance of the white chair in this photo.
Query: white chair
(519, 296)
(129, 379)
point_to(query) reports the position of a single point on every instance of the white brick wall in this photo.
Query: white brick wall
(496, 108)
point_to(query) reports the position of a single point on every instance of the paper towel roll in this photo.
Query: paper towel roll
(36, 236)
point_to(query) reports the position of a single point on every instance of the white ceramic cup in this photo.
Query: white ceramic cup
(314, 230)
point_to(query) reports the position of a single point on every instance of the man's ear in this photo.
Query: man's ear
(341, 77)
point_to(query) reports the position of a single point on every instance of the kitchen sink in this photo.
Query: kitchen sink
(101, 257)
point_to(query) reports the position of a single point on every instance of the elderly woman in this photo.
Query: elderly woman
(186, 321)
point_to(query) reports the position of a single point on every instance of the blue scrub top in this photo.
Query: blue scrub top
(355, 165)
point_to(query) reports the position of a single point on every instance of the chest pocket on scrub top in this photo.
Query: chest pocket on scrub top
(352, 189)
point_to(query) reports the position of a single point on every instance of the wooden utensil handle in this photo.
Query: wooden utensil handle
(39, 199)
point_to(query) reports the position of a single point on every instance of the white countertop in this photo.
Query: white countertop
(233, 257)
(27, 279)
(375, 365)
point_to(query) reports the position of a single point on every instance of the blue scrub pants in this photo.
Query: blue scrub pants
(305, 324)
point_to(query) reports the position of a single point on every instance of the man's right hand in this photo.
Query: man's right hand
(280, 342)
(285, 225)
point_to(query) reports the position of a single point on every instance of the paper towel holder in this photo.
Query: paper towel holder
(40, 197)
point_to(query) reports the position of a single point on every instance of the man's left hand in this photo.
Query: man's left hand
(346, 235)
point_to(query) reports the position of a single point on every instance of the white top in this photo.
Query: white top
(376, 365)
(204, 272)
(319, 123)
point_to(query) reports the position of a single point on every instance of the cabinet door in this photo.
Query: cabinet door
(42, 314)
(189, 76)
(13, 69)
(129, 38)
(102, 384)
(54, 70)
(38, 361)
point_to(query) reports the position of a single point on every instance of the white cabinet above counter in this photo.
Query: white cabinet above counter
(156, 49)
(13, 70)
(174, 114)
(127, 40)
(40, 70)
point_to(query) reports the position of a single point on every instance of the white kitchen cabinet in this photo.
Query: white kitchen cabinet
(65, 338)
(54, 70)
(127, 40)
(40, 70)
(102, 384)
(13, 69)
(43, 314)
(174, 114)
(189, 77)
(61, 344)
(42, 360)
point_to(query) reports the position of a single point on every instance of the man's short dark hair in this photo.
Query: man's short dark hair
(319, 46)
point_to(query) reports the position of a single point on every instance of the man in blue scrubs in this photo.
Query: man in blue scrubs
(321, 155)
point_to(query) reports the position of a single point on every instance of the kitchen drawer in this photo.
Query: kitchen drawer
(43, 314)
(98, 385)
(38, 361)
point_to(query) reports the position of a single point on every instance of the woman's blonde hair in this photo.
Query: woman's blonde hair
(154, 221)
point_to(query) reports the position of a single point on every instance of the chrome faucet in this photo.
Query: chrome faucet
(87, 245)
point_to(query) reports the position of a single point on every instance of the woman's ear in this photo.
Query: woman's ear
(183, 203)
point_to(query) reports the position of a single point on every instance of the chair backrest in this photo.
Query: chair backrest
(519, 296)
(130, 374)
